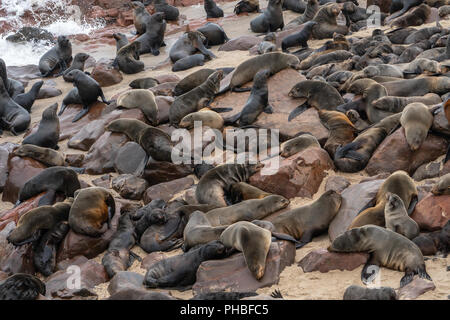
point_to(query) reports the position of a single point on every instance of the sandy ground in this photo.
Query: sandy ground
(294, 283)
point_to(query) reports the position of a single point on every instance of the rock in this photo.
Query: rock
(75, 261)
(427, 171)
(152, 258)
(167, 78)
(106, 75)
(394, 154)
(160, 171)
(129, 186)
(75, 244)
(5, 151)
(24, 73)
(104, 181)
(48, 92)
(189, 196)
(242, 43)
(19, 259)
(440, 123)
(31, 34)
(279, 86)
(131, 158)
(125, 280)
(232, 273)
(167, 190)
(163, 104)
(5, 248)
(68, 128)
(125, 18)
(351, 205)
(336, 183)
(128, 205)
(15, 213)
(74, 160)
(415, 288)
(384, 5)
(164, 89)
(300, 175)
(20, 171)
(432, 212)
(100, 157)
(91, 274)
(322, 260)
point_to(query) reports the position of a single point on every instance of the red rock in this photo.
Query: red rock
(125, 280)
(298, 176)
(19, 260)
(106, 75)
(160, 171)
(20, 171)
(125, 18)
(152, 258)
(5, 151)
(415, 288)
(394, 154)
(351, 205)
(104, 181)
(167, 190)
(232, 274)
(91, 275)
(432, 212)
(81, 37)
(322, 260)
(15, 213)
(74, 160)
(279, 86)
(129, 186)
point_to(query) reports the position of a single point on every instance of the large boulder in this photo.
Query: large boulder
(415, 288)
(106, 75)
(129, 186)
(300, 175)
(160, 171)
(322, 260)
(232, 274)
(18, 259)
(351, 205)
(432, 212)
(167, 190)
(123, 280)
(131, 158)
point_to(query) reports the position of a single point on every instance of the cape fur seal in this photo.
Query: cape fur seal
(207, 117)
(91, 208)
(77, 64)
(191, 81)
(47, 134)
(88, 91)
(240, 191)
(398, 183)
(171, 13)
(21, 286)
(39, 219)
(307, 221)
(153, 38)
(214, 34)
(13, 117)
(416, 119)
(127, 58)
(298, 144)
(143, 100)
(270, 20)
(26, 100)
(442, 187)
(140, 17)
(189, 62)
(387, 249)
(312, 6)
(397, 218)
(58, 56)
(50, 181)
(300, 38)
(144, 83)
(361, 293)
(13, 87)
(253, 241)
(215, 183)
(326, 22)
(212, 10)
(247, 6)
(434, 242)
(47, 156)
(188, 44)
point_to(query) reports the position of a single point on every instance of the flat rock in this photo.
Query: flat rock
(427, 171)
(104, 181)
(432, 212)
(106, 75)
(160, 171)
(336, 183)
(129, 186)
(74, 160)
(48, 92)
(279, 86)
(167, 190)
(19, 260)
(351, 205)
(394, 154)
(242, 43)
(130, 158)
(125, 280)
(415, 288)
(232, 273)
(75, 261)
(300, 175)
(322, 260)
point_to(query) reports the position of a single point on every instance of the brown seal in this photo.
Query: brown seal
(387, 249)
(305, 222)
(398, 183)
(442, 187)
(326, 22)
(47, 134)
(433, 242)
(397, 218)
(207, 117)
(91, 208)
(416, 119)
(298, 144)
(47, 156)
(143, 100)
(243, 191)
(127, 58)
(253, 241)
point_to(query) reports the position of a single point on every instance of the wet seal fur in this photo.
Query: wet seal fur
(270, 20)
(58, 56)
(26, 100)
(47, 134)
(12, 116)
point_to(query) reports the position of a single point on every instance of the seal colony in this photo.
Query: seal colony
(370, 95)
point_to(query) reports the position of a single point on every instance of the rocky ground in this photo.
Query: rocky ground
(320, 276)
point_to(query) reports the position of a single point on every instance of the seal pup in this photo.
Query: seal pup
(58, 56)
(397, 218)
(192, 80)
(212, 10)
(433, 242)
(386, 248)
(270, 20)
(118, 257)
(26, 100)
(144, 83)
(127, 58)
(121, 40)
(50, 180)
(300, 38)
(77, 64)
(442, 186)
(247, 210)
(47, 156)
(319, 95)
(39, 219)
(298, 144)
(21, 286)
(180, 270)
(416, 119)
(257, 102)
(188, 44)
(143, 100)
(195, 99)
(189, 62)
(216, 182)
(397, 104)
(399, 183)
(88, 91)
(140, 17)
(312, 6)
(47, 134)
(207, 117)
(214, 34)
(91, 209)
(253, 241)
(247, 6)
(361, 293)
(307, 221)
(12, 116)
(153, 38)
(241, 191)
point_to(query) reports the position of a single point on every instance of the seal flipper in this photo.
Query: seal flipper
(268, 109)
(221, 110)
(102, 96)
(63, 107)
(367, 277)
(239, 89)
(81, 114)
(407, 278)
(412, 204)
(134, 256)
(354, 155)
(232, 119)
(283, 236)
(299, 110)
(370, 204)
(48, 198)
(277, 294)
(305, 239)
